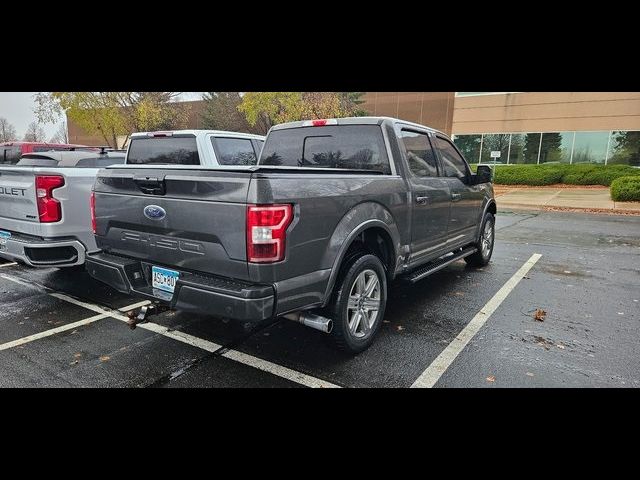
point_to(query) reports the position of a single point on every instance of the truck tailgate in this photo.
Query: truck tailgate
(187, 219)
(18, 194)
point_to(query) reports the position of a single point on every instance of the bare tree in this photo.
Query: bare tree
(61, 135)
(35, 133)
(7, 131)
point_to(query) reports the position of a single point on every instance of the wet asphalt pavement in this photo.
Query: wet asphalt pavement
(587, 281)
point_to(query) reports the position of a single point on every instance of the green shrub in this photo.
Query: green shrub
(549, 174)
(626, 189)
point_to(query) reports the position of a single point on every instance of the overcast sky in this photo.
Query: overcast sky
(17, 108)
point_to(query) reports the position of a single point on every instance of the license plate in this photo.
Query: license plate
(4, 236)
(164, 279)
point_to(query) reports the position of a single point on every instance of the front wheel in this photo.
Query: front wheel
(358, 304)
(485, 243)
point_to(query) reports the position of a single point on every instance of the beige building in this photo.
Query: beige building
(525, 127)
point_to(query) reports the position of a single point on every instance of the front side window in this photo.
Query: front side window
(452, 162)
(234, 151)
(420, 157)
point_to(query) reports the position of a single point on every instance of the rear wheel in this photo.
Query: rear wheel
(358, 303)
(485, 243)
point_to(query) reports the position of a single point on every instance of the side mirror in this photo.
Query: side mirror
(483, 174)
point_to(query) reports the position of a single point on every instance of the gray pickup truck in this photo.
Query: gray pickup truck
(333, 211)
(44, 206)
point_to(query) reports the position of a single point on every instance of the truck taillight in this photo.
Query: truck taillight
(49, 209)
(92, 201)
(266, 232)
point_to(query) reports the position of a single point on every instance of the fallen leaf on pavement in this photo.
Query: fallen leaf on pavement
(104, 358)
(491, 378)
(539, 315)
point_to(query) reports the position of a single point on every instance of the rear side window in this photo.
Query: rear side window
(10, 155)
(164, 150)
(234, 151)
(420, 157)
(342, 146)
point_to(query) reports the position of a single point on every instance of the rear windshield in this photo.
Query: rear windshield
(164, 150)
(10, 155)
(340, 146)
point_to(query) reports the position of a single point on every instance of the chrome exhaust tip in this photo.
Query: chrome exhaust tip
(311, 320)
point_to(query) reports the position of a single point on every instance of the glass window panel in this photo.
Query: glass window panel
(516, 154)
(469, 145)
(590, 147)
(556, 147)
(624, 148)
(495, 142)
(530, 147)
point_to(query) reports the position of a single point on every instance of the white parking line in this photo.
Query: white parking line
(15, 280)
(53, 331)
(434, 371)
(278, 370)
(8, 264)
(197, 342)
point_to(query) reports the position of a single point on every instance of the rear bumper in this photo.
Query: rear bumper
(37, 252)
(216, 296)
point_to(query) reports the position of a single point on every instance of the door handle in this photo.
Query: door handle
(455, 197)
(422, 200)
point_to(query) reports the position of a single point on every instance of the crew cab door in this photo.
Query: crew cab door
(430, 197)
(466, 199)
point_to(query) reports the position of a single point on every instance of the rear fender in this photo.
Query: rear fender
(360, 218)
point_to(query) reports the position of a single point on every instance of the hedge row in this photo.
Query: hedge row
(560, 173)
(626, 189)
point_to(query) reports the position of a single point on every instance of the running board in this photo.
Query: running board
(437, 265)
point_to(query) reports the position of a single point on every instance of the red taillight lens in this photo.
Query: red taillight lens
(93, 212)
(49, 209)
(266, 232)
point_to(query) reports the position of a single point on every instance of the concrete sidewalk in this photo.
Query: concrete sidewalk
(591, 198)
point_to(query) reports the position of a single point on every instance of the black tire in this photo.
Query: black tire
(340, 311)
(483, 255)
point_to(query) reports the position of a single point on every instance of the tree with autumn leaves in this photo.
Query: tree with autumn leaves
(111, 114)
(271, 108)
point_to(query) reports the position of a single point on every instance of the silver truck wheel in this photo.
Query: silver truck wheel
(358, 303)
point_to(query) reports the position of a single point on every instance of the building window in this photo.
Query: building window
(469, 145)
(556, 147)
(495, 142)
(590, 147)
(624, 148)
(530, 148)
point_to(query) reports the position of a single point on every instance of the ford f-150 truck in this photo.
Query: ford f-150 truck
(44, 214)
(333, 211)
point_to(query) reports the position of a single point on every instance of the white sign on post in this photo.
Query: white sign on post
(495, 154)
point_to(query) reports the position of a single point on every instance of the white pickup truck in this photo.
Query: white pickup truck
(45, 217)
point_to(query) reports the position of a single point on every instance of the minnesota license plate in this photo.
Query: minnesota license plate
(164, 279)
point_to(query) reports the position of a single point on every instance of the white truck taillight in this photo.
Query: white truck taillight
(92, 202)
(49, 209)
(266, 232)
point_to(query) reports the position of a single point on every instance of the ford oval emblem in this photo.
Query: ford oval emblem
(154, 212)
